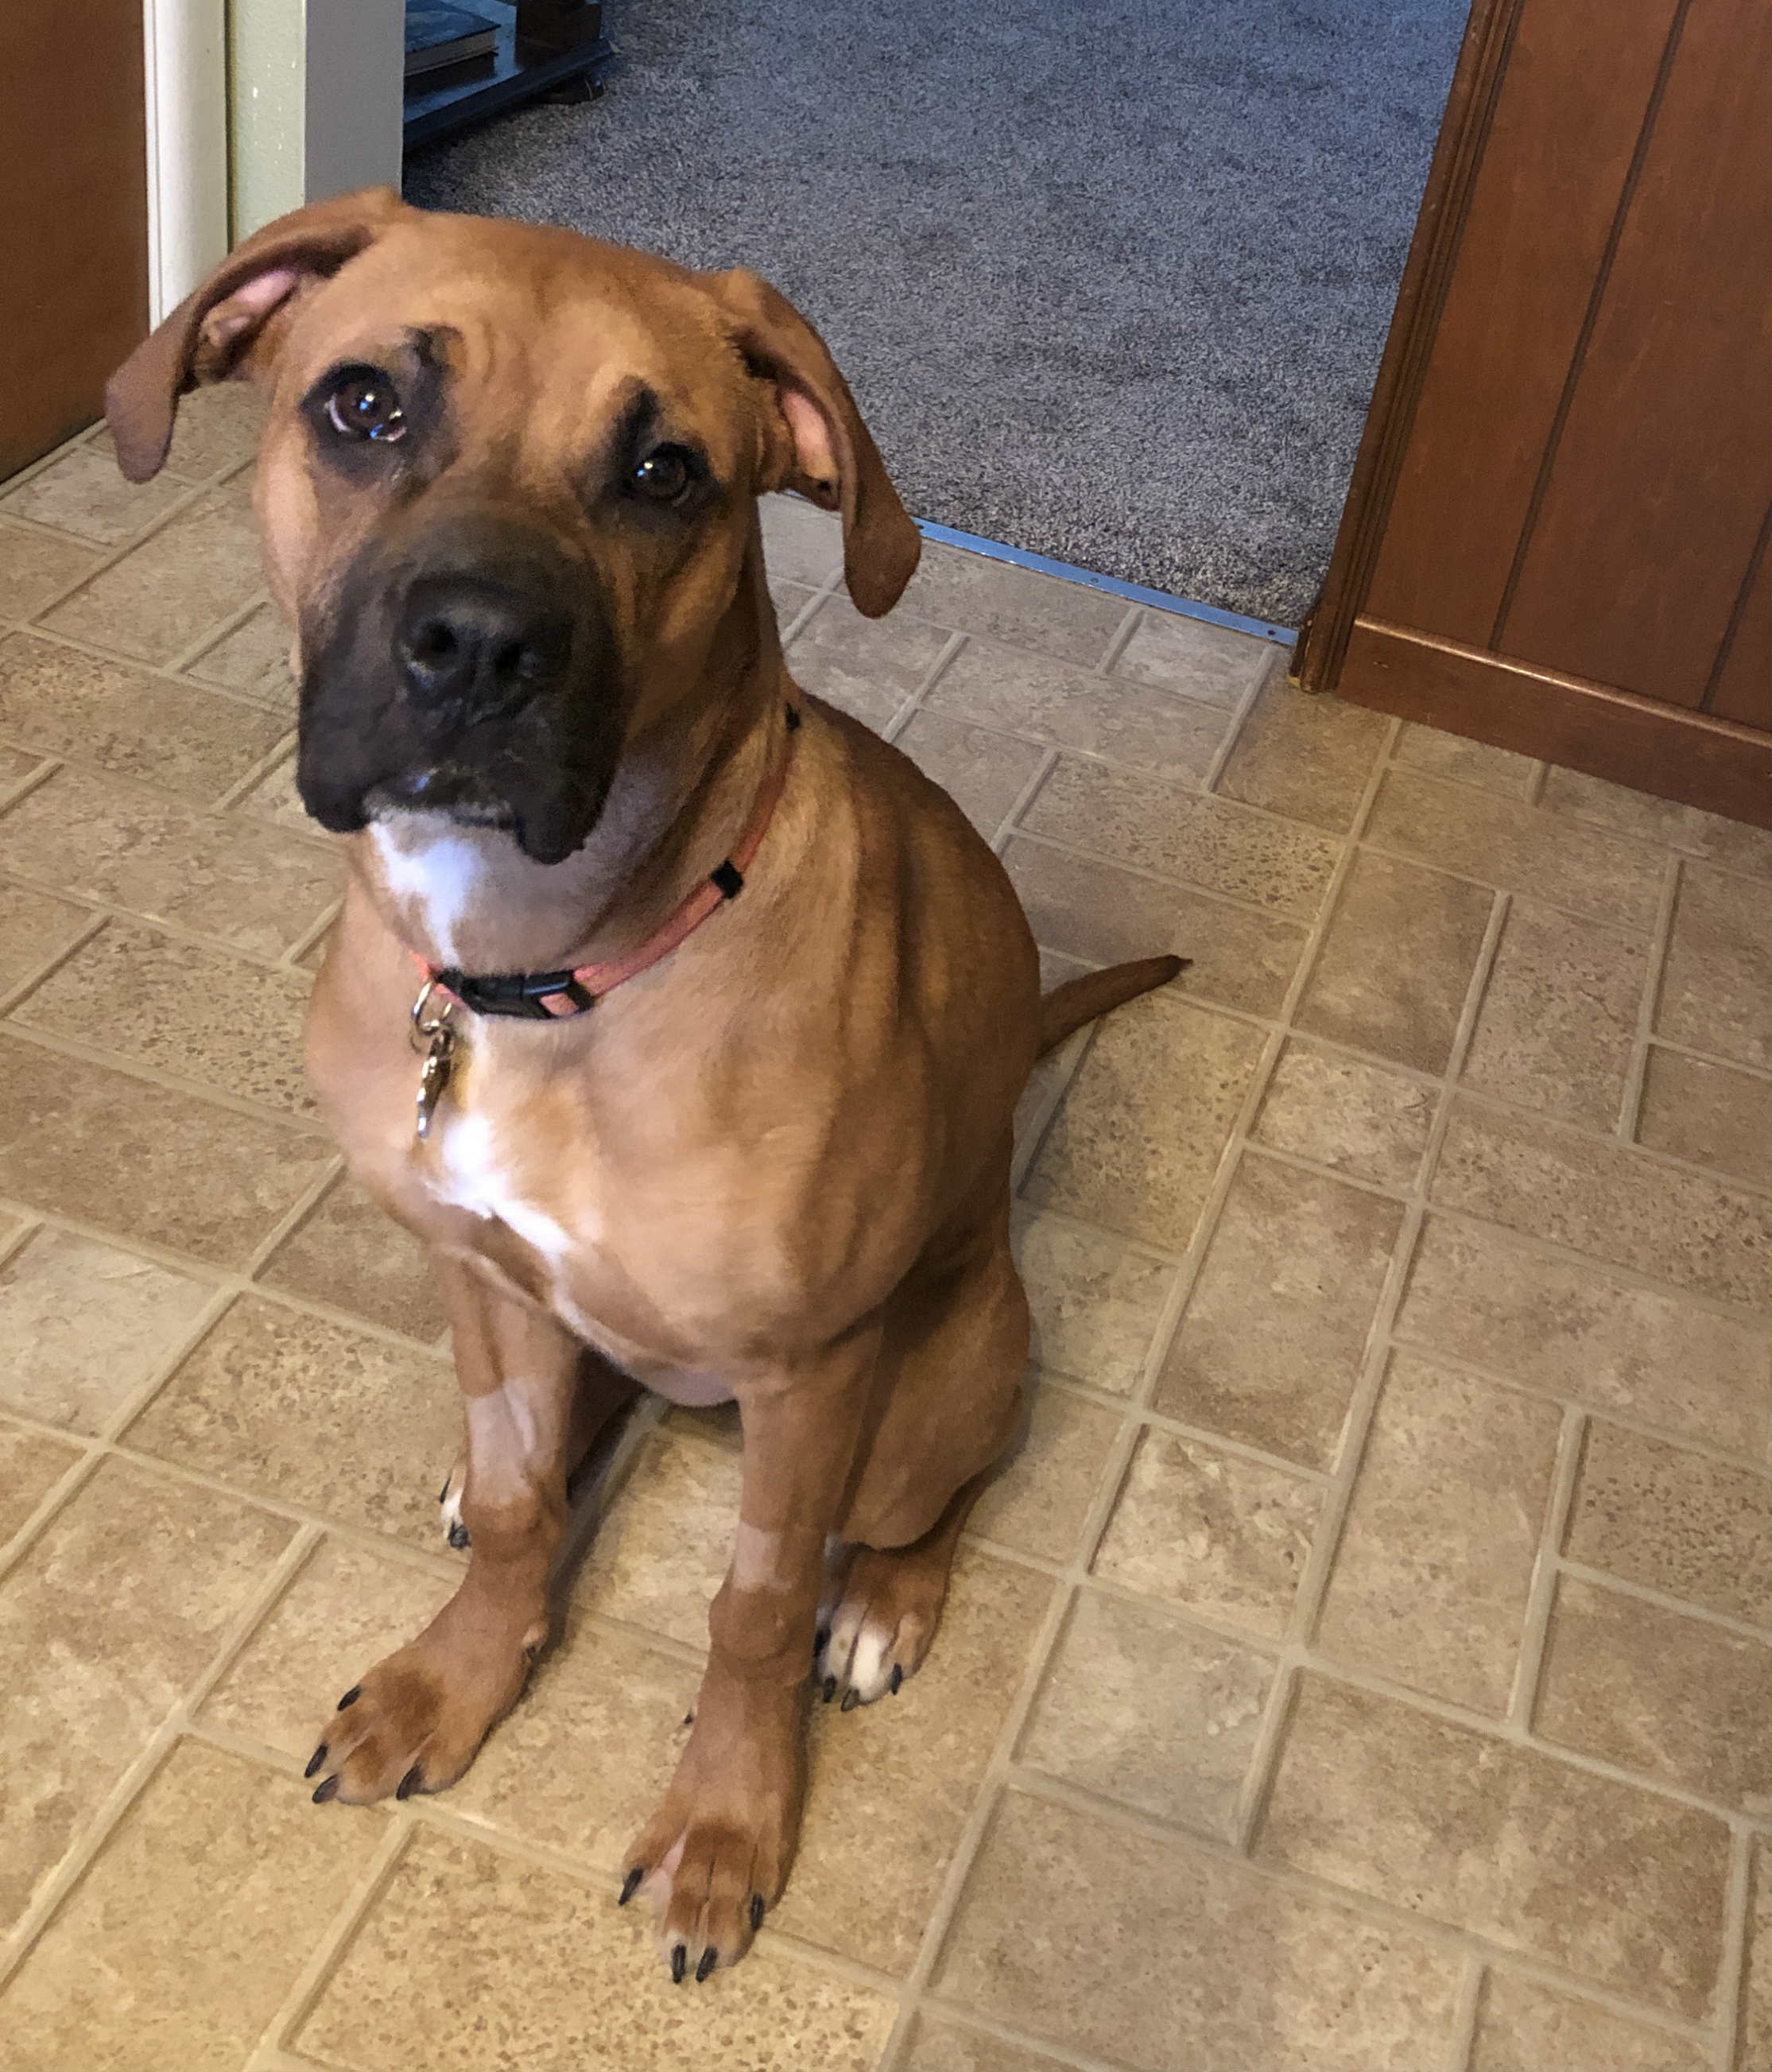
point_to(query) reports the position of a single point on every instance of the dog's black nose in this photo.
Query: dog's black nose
(472, 646)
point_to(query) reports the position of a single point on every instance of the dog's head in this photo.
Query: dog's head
(507, 489)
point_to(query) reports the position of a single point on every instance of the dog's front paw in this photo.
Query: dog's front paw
(715, 1857)
(415, 1721)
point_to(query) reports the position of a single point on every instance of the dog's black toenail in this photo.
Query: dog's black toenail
(679, 1964)
(898, 1679)
(821, 1641)
(460, 1536)
(851, 1700)
(315, 1760)
(324, 1792)
(408, 1784)
(688, 1719)
(631, 1884)
(350, 1696)
(444, 1491)
(710, 1958)
(830, 1688)
(756, 1912)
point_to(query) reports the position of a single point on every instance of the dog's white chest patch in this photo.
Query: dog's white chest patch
(435, 873)
(469, 1174)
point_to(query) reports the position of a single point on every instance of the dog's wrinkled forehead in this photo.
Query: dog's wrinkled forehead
(526, 349)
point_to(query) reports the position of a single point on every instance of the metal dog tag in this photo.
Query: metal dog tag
(433, 1080)
(432, 1033)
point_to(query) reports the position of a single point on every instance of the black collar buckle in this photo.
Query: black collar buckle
(525, 995)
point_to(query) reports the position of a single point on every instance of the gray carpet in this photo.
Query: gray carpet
(1110, 280)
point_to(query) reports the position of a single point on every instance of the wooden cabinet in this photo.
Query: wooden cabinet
(1557, 536)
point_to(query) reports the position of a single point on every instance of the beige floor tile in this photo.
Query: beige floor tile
(1066, 706)
(1680, 1700)
(583, 1763)
(1138, 1139)
(84, 493)
(892, 1784)
(1716, 985)
(663, 1551)
(180, 1944)
(1271, 1342)
(1674, 1520)
(274, 798)
(347, 1609)
(1211, 1531)
(1523, 2026)
(866, 667)
(352, 1427)
(65, 702)
(122, 1600)
(350, 1253)
(1575, 1870)
(468, 1953)
(1435, 1564)
(1306, 757)
(789, 599)
(163, 594)
(145, 1161)
(1754, 2028)
(975, 594)
(31, 1463)
(34, 565)
(1396, 963)
(1047, 1080)
(1559, 1017)
(194, 1013)
(1708, 1113)
(1572, 1328)
(1731, 843)
(1096, 1300)
(216, 427)
(801, 543)
(938, 2045)
(983, 773)
(1092, 911)
(1152, 1956)
(1141, 1708)
(20, 767)
(1127, 816)
(1427, 749)
(1193, 658)
(254, 888)
(1039, 1503)
(33, 929)
(83, 1326)
(1507, 843)
(254, 657)
(1361, 1119)
(1595, 1196)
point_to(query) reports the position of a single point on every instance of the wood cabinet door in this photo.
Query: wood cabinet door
(1557, 536)
(73, 214)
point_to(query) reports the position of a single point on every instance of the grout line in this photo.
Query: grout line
(54, 1499)
(1209, 893)
(13, 879)
(33, 780)
(894, 729)
(1630, 1100)
(1732, 1974)
(233, 796)
(298, 2003)
(180, 679)
(291, 958)
(1245, 705)
(97, 1833)
(187, 657)
(162, 1371)
(959, 2015)
(1462, 2037)
(1620, 1586)
(1740, 1065)
(1541, 1590)
(1025, 798)
(38, 974)
(1118, 641)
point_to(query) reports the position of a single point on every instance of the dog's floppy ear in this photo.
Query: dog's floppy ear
(823, 447)
(217, 331)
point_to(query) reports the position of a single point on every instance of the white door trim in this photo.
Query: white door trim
(186, 49)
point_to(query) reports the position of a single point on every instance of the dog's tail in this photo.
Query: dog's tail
(1068, 1006)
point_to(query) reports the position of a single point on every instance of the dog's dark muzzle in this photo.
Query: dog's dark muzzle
(471, 670)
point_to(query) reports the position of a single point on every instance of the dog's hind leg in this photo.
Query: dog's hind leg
(956, 1350)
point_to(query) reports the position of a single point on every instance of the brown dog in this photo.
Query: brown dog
(508, 489)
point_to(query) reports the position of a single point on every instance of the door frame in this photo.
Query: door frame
(185, 46)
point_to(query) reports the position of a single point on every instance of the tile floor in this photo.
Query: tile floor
(1366, 1664)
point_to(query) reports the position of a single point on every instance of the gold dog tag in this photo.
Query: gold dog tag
(433, 1080)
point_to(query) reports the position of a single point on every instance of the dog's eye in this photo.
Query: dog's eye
(664, 475)
(364, 405)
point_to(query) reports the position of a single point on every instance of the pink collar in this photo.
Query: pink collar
(548, 996)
